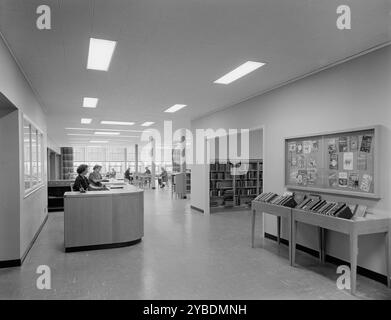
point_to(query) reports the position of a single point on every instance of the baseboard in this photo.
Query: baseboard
(103, 246)
(336, 261)
(34, 239)
(197, 209)
(10, 263)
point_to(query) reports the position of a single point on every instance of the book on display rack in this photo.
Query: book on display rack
(313, 204)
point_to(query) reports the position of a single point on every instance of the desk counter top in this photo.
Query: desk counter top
(103, 193)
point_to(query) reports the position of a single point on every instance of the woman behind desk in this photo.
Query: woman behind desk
(81, 181)
(95, 178)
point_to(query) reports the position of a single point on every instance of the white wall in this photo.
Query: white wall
(354, 94)
(15, 87)
(9, 199)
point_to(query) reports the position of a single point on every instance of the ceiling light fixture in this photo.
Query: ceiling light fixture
(175, 108)
(85, 121)
(93, 135)
(104, 133)
(119, 123)
(98, 141)
(92, 129)
(147, 123)
(90, 102)
(100, 53)
(239, 72)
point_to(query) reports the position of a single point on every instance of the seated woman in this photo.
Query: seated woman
(95, 178)
(163, 178)
(128, 175)
(81, 181)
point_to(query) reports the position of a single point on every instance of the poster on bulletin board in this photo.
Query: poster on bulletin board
(341, 162)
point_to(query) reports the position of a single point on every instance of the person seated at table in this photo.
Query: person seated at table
(112, 173)
(95, 178)
(147, 171)
(163, 178)
(147, 176)
(128, 175)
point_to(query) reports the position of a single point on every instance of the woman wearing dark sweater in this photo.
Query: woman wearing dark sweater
(81, 181)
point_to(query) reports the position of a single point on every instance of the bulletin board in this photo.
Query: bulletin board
(343, 162)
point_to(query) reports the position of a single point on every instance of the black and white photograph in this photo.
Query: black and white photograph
(195, 158)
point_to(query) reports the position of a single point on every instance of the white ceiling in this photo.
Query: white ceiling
(171, 51)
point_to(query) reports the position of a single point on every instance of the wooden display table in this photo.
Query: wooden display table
(280, 212)
(355, 227)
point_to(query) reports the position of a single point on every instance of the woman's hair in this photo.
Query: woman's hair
(81, 168)
(97, 166)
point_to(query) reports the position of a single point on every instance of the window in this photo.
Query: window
(27, 157)
(117, 158)
(33, 152)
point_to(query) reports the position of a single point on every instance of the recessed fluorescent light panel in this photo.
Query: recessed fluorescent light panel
(103, 133)
(118, 123)
(85, 121)
(239, 72)
(90, 102)
(147, 124)
(94, 135)
(97, 129)
(98, 141)
(175, 108)
(100, 53)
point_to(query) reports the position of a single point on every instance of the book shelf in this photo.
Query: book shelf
(188, 181)
(234, 186)
(67, 163)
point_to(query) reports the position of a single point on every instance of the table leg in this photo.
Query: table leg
(253, 228)
(353, 261)
(388, 258)
(279, 230)
(293, 237)
(290, 239)
(324, 245)
(320, 245)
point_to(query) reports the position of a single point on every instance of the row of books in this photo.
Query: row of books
(220, 176)
(331, 208)
(245, 183)
(314, 203)
(246, 192)
(220, 167)
(220, 184)
(285, 200)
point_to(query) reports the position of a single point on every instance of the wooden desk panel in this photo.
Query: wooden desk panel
(103, 218)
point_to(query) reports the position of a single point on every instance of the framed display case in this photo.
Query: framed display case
(341, 162)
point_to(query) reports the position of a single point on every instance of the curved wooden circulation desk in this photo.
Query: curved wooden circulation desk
(103, 219)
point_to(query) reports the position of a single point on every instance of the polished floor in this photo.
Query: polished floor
(184, 255)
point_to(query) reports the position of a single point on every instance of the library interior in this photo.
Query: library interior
(180, 149)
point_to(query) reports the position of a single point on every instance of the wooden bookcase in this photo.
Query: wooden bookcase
(234, 186)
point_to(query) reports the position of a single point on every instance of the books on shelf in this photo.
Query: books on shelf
(236, 182)
(313, 203)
